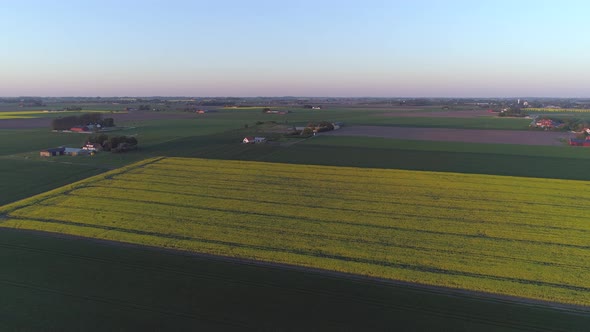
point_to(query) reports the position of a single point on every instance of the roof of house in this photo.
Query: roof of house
(70, 150)
(60, 149)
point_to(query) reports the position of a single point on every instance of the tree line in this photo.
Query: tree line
(114, 143)
(68, 122)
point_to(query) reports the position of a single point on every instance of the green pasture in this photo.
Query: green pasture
(24, 178)
(379, 117)
(496, 159)
(564, 151)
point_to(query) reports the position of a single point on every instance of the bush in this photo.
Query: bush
(307, 132)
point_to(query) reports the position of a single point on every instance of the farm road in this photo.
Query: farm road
(457, 135)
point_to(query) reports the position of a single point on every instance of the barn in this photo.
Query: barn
(579, 142)
(51, 152)
(76, 152)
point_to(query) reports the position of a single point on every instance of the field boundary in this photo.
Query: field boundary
(447, 291)
(375, 243)
(5, 209)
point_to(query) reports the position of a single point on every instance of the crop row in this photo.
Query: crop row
(559, 110)
(513, 236)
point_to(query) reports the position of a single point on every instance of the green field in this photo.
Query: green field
(474, 232)
(23, 178)
(65, 284)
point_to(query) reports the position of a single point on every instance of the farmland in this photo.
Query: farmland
(63, 284)
(458, 135)
(558, 110)
(474, 232)
(42, 114)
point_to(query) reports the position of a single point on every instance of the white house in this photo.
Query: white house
(252, 140)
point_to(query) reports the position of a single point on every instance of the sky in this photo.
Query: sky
(368, 48)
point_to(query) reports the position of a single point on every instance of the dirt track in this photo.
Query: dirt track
(457, 135)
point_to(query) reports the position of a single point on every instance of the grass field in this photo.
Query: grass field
(475, 232)
(65, 284)
(23, 178)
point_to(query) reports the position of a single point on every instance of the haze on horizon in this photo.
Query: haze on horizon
(300, 48)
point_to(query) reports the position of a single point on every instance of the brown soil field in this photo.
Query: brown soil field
(457, 135)
(442, 114)
(119, 117)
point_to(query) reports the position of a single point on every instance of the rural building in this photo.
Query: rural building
(547, 123)
(92, 147)
(316, 108)
(75, 152)
(80, 129)
(252, 140)
(51, 152)
(579, 142)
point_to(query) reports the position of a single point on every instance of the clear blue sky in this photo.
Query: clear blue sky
(299, 48)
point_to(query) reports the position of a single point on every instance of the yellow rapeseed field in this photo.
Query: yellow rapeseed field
(559, 110)
(513, 236)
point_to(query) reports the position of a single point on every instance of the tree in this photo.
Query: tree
(108, 122)
(326, 124)
(307, 131)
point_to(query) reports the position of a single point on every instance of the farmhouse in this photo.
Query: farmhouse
(92, 147)
(252, 140)
(76, 152)
(579, 142)
(51, 152)
(547, 124)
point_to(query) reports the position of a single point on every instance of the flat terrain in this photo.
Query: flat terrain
(37, 120)
(443, 114)
(457, 135)
(69, 284)
(81, 284)
(473, 232)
